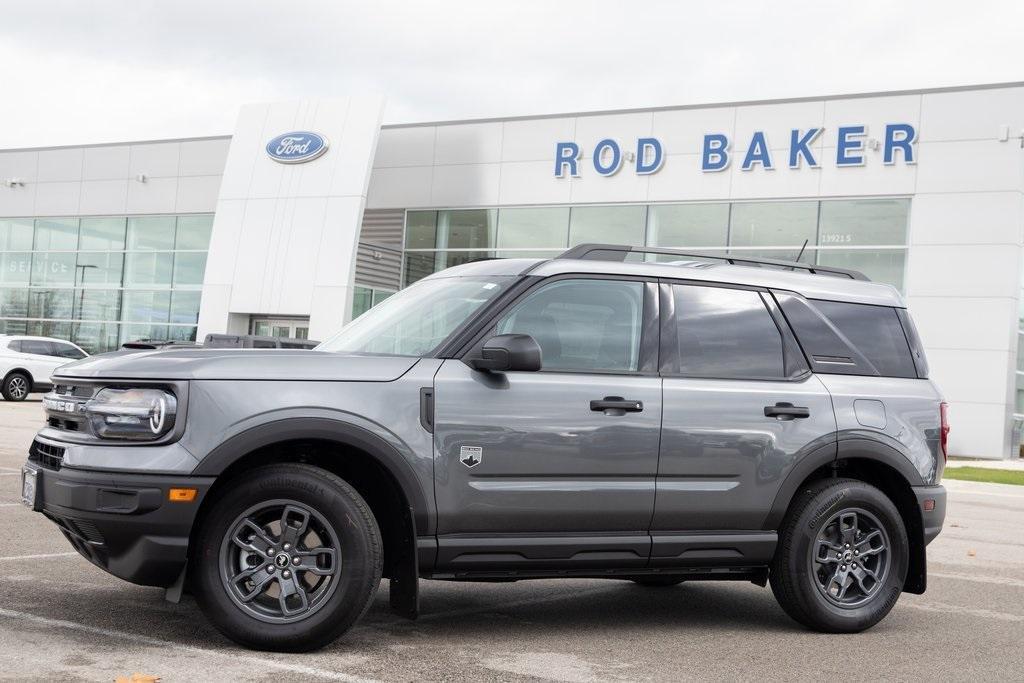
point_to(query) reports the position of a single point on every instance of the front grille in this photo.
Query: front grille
(64, 406)
(74, 390)
(46, 455)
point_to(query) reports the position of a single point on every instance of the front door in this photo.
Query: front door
(535, 467)
(741, 409)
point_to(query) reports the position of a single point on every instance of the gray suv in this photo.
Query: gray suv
(615, 412)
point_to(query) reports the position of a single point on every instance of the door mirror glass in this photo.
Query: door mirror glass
(509, 353)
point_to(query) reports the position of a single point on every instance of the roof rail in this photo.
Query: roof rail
(619, 252)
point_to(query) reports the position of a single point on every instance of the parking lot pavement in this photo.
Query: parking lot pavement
(63, 619)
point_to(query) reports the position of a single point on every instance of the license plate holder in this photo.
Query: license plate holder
(30, 487)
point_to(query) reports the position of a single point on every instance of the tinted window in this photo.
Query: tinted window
(876, 332)
(41, 348)
(15, 345)
(725, 333)
(67, 351)
(582, 324)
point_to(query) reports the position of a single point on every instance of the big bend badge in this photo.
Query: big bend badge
(471, 456)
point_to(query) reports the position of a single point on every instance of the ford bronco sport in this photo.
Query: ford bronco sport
(615, 412)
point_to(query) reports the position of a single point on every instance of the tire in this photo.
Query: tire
(296, 528)
(657, 581)
(16, 387)
(820, 581)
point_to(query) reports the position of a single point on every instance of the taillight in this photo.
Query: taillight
(944, 428)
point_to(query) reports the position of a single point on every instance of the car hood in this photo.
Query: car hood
(238, 364)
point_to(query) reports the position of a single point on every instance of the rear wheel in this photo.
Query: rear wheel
(842, 557)
(16, 387)
(288, 559)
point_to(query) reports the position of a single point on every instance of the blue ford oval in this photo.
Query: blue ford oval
(296, 147)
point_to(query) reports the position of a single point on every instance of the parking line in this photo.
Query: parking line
(10, 474)
(189, 649)
(957, 609)
(37, 557)
(12, 470)
(997, 580)
(10, 505)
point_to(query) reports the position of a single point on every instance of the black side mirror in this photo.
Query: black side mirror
(509, 352)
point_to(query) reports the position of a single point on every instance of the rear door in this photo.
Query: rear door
(740, 409)
(40, 359)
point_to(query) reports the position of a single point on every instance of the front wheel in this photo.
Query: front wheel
(288, 559)
(842, 557)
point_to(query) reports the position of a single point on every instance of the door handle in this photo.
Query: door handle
(786, 411)
(613, 405)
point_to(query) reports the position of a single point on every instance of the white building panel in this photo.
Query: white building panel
(468, 143)
(60, 164)
(106, 162)
(413, 146)
(203, 157)
(155, 160)
(279, 237)
(57, 199)
(105, 197)
(534, 139)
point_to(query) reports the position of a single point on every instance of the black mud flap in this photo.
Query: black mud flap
(404, 584)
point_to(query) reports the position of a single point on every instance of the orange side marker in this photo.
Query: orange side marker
(181, 495)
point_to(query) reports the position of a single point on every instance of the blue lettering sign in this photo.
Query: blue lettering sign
(297, 147)
(616, 161)
(800, 146)
(567, 154)
(647, 167)
(757, 153)
(899, 136)
(715, 156)
(845, 145)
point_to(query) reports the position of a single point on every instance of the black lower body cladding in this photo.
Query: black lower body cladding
(123, 523)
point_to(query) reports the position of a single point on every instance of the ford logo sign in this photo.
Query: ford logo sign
(297, 147)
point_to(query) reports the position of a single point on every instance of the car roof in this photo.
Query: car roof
(808, 284)
(19, 337)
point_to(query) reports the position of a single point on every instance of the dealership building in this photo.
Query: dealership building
(311, 212)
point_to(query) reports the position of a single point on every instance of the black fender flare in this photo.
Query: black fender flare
(847, 447)
(324, 429)
(819, 457)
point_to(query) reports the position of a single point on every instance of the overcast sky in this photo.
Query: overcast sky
(98, 71)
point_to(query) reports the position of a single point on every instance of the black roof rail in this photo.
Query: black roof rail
(619, 252)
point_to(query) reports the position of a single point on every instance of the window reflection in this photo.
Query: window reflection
(65, 277)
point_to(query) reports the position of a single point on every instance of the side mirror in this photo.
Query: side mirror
(509, 352)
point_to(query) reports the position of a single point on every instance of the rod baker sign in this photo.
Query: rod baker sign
(648, 154)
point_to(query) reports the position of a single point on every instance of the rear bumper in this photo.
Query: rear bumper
(931, 520)
(122, 523)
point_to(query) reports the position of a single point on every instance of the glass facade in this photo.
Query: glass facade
(102, 281)
(365, 298)
(869, 235)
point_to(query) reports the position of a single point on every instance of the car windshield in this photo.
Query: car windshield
(417, 319)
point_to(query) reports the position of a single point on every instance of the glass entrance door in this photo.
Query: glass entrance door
(295, 328)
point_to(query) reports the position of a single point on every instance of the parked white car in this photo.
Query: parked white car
(26, 363)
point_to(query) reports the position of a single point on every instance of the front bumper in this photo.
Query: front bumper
(931, 520)
(122, 523)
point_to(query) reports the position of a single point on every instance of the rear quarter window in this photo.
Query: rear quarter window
(848, 338)
(876, 332)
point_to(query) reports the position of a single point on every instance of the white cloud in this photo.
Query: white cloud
(80, 72)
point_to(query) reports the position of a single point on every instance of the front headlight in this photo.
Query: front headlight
(132, 414)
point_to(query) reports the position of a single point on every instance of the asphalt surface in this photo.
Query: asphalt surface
(63, 619)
